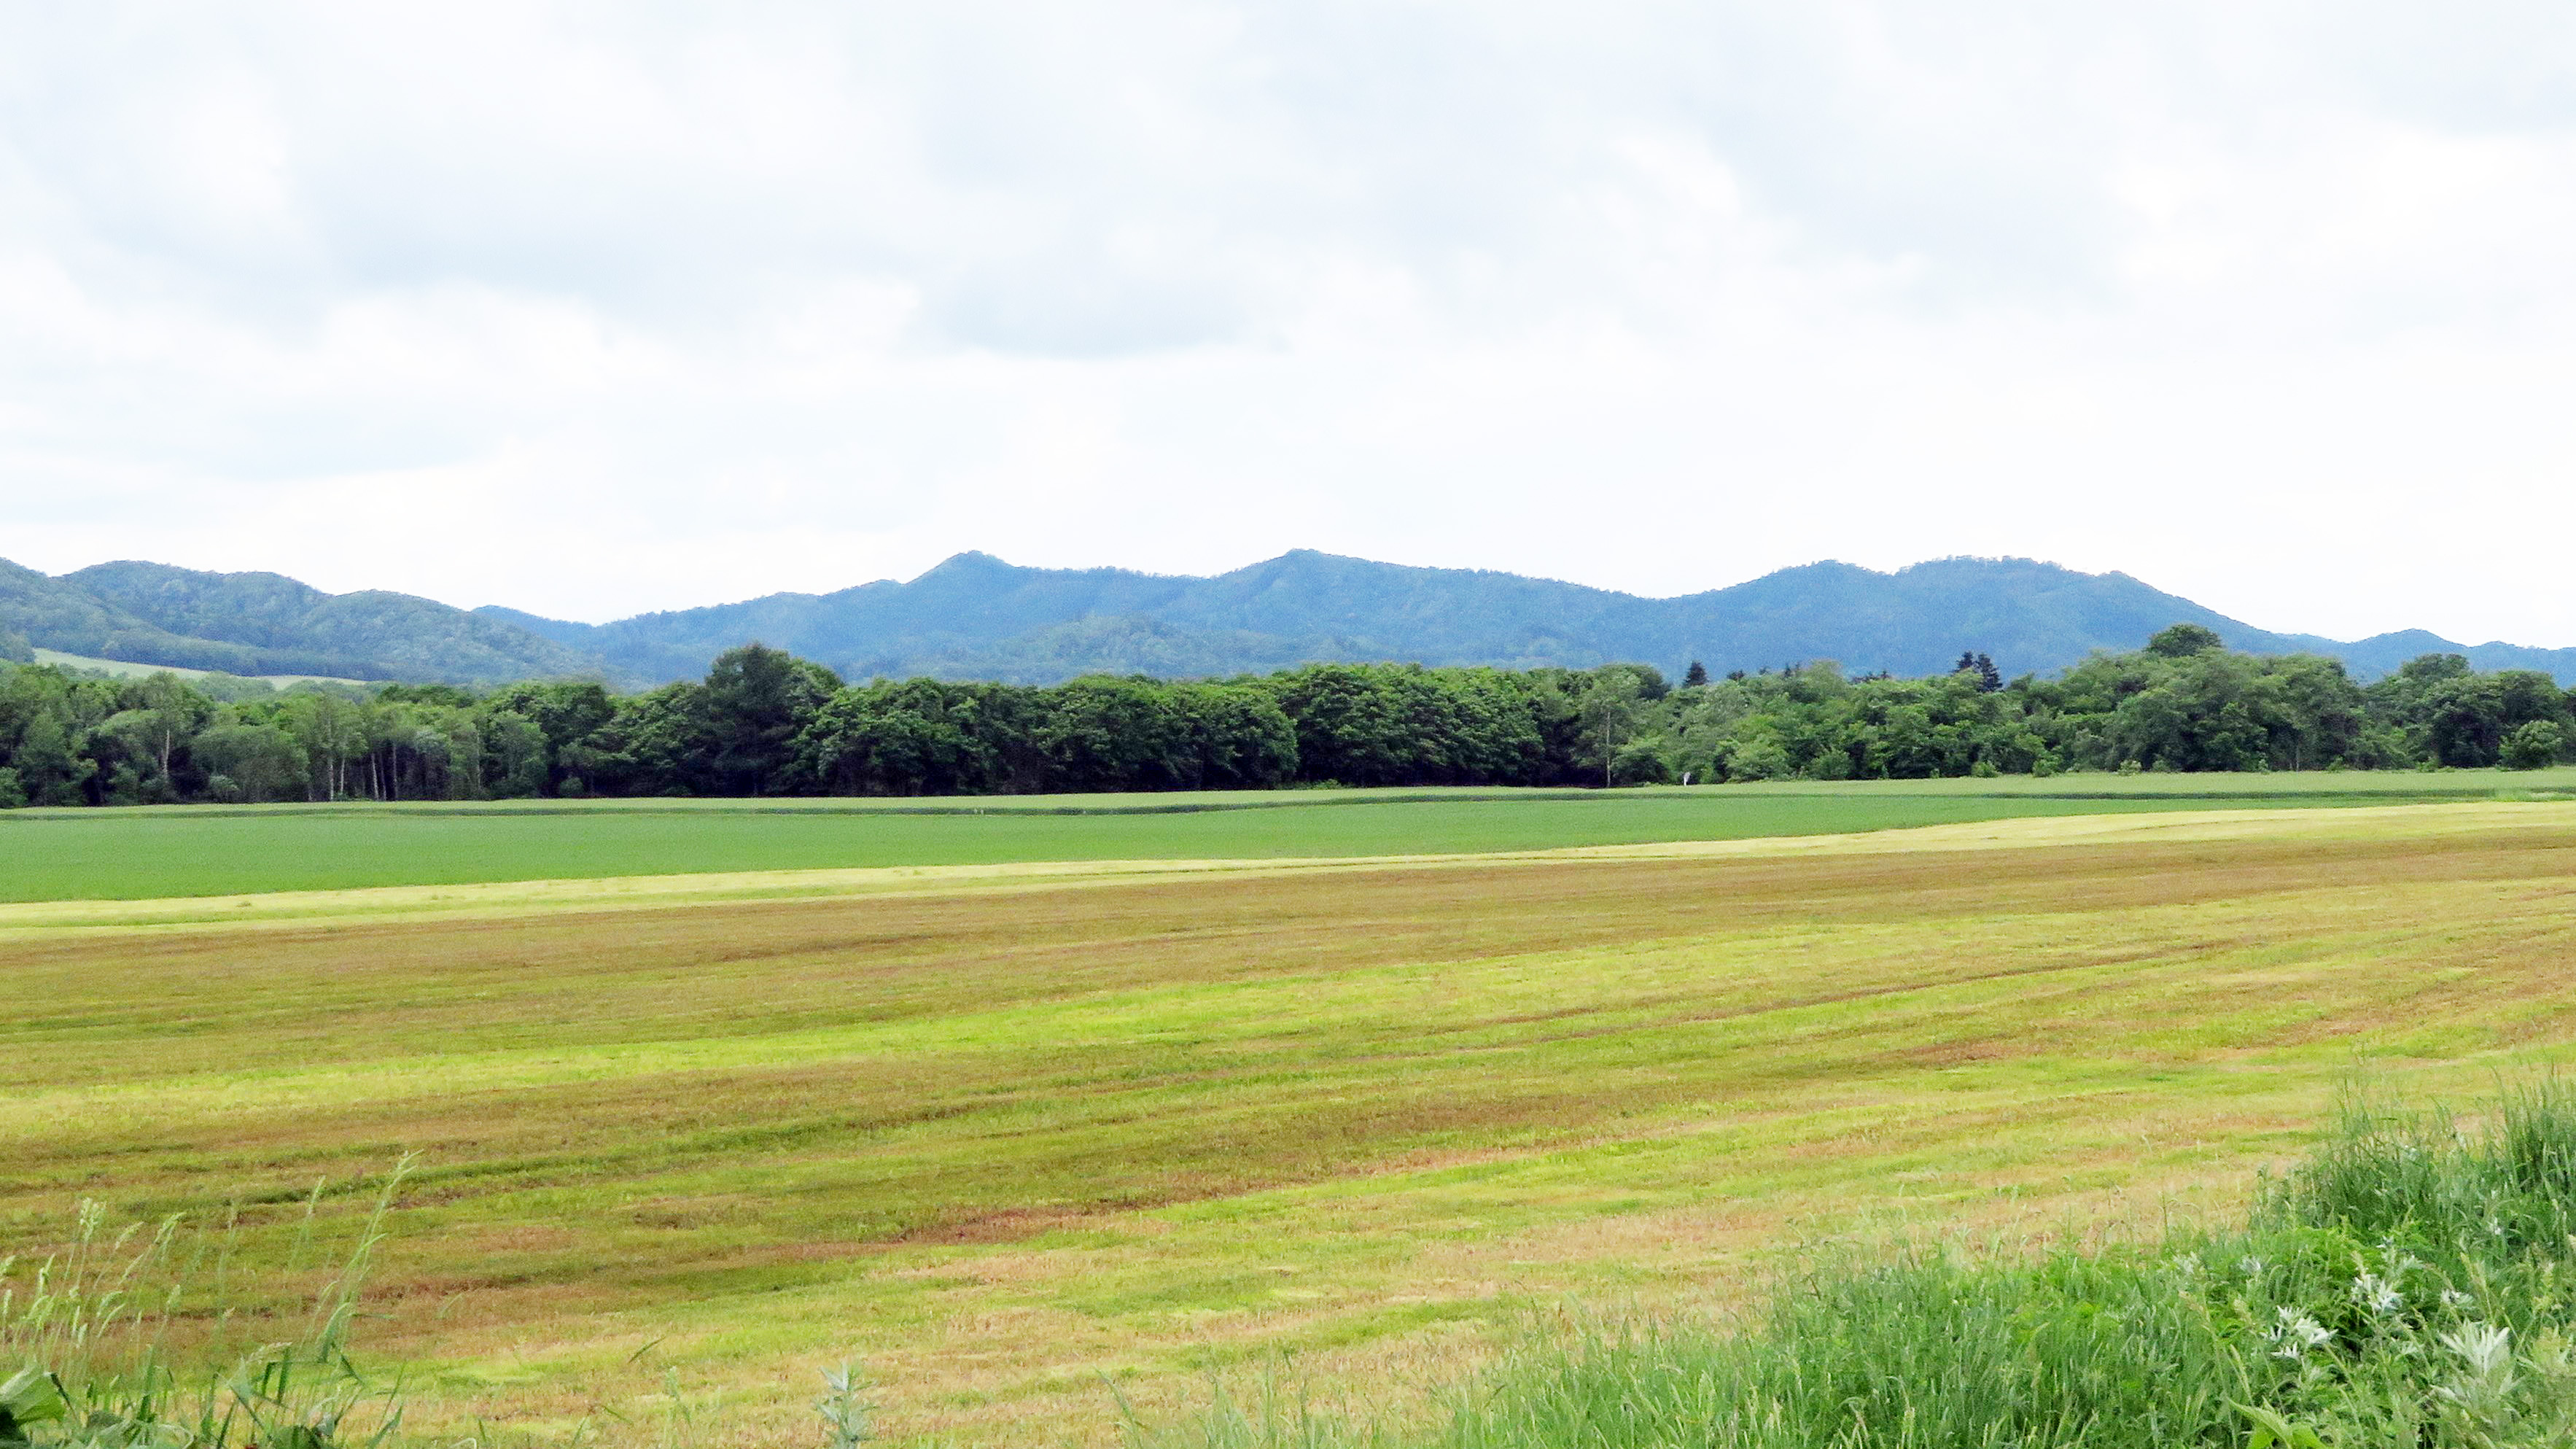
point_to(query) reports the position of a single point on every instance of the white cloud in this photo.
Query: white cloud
(591, 309)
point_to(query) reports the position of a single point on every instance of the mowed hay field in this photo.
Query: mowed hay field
(196, 850)
(1009, 1139)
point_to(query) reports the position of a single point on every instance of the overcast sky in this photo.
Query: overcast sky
(597, 308)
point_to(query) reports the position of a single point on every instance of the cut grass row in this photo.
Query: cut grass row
(2402, 1286)
(154, 853)
(1004, 1144)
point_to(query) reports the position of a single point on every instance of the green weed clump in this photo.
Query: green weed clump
(2411, 1284)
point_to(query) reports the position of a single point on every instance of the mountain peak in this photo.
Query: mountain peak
(972, 560)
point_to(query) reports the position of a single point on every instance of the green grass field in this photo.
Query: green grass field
(1011, 1146)
(126, 669)
(148, 853)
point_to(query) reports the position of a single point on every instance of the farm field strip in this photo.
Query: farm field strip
(2447, 784)
(150, 853)
(1003, 1142)
(713, 887)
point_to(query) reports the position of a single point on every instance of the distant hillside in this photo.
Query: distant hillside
(256, 623)
(976, 617)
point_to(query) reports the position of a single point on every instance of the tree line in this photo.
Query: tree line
(763, 722)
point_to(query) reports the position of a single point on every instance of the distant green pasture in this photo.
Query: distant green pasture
(128, 669)
(150, 853)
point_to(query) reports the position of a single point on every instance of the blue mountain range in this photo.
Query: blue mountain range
(977, 617)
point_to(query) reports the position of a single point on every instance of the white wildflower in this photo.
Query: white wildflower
(2250, 1266)
(2296, 1333)
(2188, 1265)
(2454, 1299)
(2376, 1294)
(2485, 1347)
(2488, 1352)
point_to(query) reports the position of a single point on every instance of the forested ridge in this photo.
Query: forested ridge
(764, 722)
(256, 623)
(975, 617)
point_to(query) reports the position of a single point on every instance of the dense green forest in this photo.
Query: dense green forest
(763, 722)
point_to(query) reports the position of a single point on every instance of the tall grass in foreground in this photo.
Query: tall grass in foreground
(2411, 1284)
(94, 1338)
(136, 1339)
